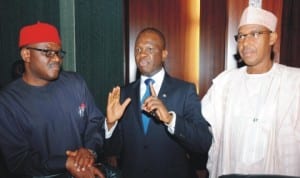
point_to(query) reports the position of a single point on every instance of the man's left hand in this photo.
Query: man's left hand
(155, 107)
(89, 172)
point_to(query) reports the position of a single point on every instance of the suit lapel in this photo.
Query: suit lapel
(136, 105)
(164, 89)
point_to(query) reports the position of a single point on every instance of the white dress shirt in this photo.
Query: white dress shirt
(158, 78)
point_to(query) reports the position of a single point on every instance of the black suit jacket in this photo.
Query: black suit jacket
(160, 154)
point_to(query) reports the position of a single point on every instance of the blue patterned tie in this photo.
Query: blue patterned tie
(145, 118)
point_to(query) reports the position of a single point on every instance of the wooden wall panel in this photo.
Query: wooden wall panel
(212, 41)
(234, 11)
(276, 8)
(290, 33)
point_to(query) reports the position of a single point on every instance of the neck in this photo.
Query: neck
(34, 82)
(260, 69)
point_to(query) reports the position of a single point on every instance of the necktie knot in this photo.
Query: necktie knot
(149, 81)
(147, 92)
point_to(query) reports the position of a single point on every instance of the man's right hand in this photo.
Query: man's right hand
(114, 109)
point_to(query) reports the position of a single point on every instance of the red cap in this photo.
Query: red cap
(37, 33)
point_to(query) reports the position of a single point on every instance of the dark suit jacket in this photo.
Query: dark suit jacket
(159, 154)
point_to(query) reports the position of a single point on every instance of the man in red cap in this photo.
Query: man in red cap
(49, 123)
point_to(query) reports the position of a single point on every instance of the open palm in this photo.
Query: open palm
(114, 108)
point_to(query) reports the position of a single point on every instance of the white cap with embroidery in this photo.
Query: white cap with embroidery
(254, 15)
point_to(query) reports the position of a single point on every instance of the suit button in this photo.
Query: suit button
(145, 147)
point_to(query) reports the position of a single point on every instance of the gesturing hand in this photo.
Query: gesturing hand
(156, 107)
(114, 108)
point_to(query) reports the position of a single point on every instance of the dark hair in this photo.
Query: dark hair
(156, 31)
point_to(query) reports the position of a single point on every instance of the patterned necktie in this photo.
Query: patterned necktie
(145, 118)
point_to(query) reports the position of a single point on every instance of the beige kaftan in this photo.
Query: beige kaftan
(255, 121)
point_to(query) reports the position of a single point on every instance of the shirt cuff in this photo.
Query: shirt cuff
(108, 133)
(171, 125)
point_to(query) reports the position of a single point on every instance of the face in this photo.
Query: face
(149, 53)
(255, 48)
(40, 67)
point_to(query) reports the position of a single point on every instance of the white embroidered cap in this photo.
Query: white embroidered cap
(254, 15)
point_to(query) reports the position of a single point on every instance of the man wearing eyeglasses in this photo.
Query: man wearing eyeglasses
(49, 123)
(254, 111)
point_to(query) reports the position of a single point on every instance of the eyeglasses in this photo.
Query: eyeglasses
(50, 53)
(252, 35)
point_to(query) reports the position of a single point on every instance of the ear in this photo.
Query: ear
(25, 54)
(164, 55)
(273, 38)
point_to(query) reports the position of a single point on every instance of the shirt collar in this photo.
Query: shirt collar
(158, 77)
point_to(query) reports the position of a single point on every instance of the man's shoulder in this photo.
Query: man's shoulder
(288, 73)
(229, 74)
(70, 76)
(14, 85)
(289, 69)
(130, 87)
(176, 81)
(69, 81)
(12, 92)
